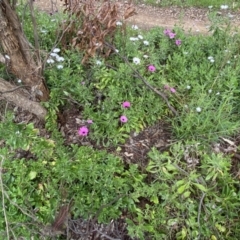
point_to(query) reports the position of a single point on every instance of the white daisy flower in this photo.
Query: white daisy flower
(19, 80)
(224, 7)
(118, 23)
(7, 57)
(140, 37)
(59, 66)
(198, 109)
(98, 62)
(134, 27)
(210, 91)
(56, 50)
(136, 60)
(50, 60)
(60, 59)
(54, 55)
(133, 39)
(188, 87)
(146, 43)
(145, 56)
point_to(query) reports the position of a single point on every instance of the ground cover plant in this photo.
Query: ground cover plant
(141, 139)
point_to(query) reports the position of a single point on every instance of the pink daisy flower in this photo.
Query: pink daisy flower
(178, 42)
(123, 119)
(173, 90)
(167, 31)
(171, 35)
(126, 104)
(83, 131)
(151, 68)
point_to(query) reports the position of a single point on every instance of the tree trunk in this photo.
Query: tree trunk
(21, 60)
(17, 97)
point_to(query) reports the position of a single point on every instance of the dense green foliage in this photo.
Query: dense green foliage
(190, 190)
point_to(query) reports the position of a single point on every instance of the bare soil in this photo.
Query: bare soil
(191, 19)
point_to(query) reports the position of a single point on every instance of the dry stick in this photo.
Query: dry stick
(23, 211)
(55, 4)
(104, 206)
(3, 199)
(14, 89)
(106, 236)
(35, 33)
(199, 214)
(144, 80)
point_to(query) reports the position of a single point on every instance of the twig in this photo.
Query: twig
(104, 206)
(18, 207)
(14, 89)
(58, 39)
(199, 214)
(35, 33)
(106, 236)
(61, 217)
(107, 205)
(144, 80)
(3, 199)
(55, 4)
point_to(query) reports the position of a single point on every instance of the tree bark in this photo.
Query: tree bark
(22, 62)
(14, 95)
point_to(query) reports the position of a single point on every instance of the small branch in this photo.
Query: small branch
(106, 236)
(199, 214)
(3, 199)
(59, 37)
(108, 205)
(35, 33)
(18, 207)
(14, 89)
(161, 94)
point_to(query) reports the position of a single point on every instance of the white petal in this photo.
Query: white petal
(56, 50)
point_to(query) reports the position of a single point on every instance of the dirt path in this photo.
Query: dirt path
(191, 19)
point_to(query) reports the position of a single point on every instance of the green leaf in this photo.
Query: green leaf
(32, 175)
(154, 199)
(180, 182)
(201, 187)
(182, 188)
(187, 194)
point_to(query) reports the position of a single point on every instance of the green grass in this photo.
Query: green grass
(190, 190)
